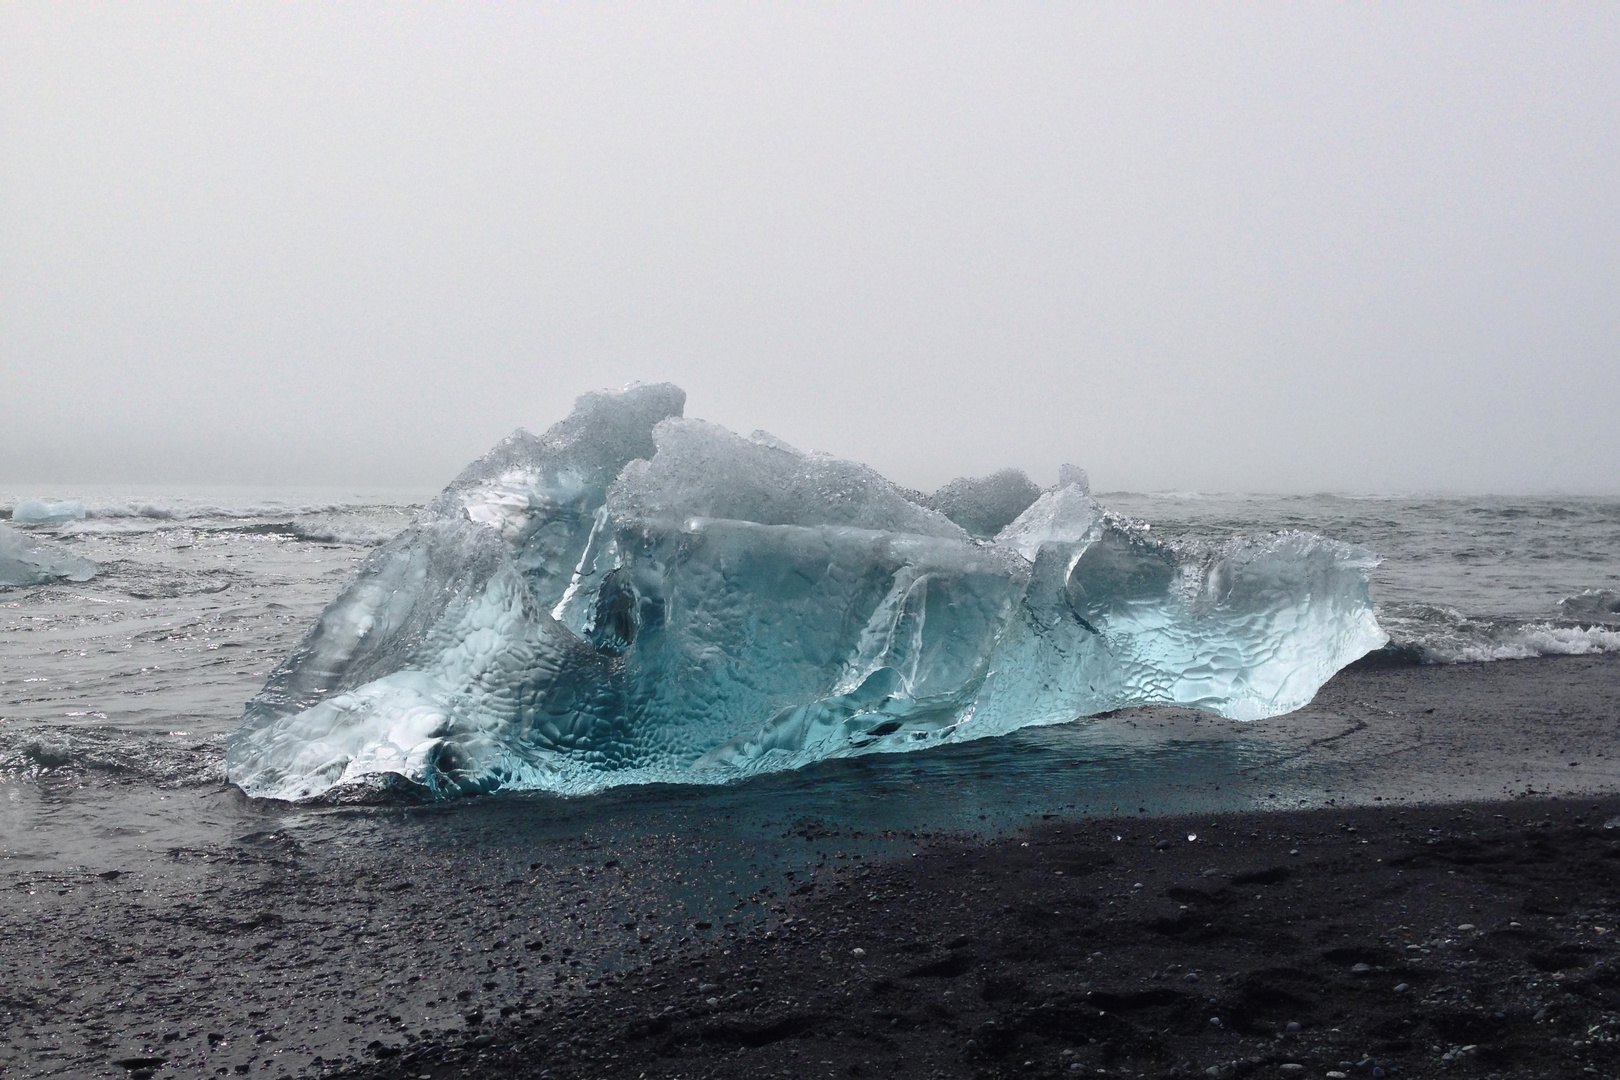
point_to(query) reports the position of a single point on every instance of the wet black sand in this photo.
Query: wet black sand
(1460, 941)
(481, 940)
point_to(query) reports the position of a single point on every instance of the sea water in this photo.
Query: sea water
(116, 694)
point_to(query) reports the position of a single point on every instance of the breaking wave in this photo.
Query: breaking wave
(1601, 605)
(365, 524)
(42, 752)
(1431, 634)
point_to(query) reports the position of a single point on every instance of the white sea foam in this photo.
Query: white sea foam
(1526, 642)
(1433, 634)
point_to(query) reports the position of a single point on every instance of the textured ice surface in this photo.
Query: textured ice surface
(25, 560)
(635, 597)
(34, 512)
(985, 505)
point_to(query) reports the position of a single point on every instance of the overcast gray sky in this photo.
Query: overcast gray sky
(1260, 247)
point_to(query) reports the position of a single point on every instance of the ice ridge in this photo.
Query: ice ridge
(637, 597)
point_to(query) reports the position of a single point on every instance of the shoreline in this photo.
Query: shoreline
(1464, 940)
(233, 935)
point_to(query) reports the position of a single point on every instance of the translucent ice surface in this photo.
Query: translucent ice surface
(34, 512)
(25, 560)
(986, 505)
(636, 597)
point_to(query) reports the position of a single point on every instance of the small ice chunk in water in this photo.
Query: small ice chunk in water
(27, 560)
(36, 512)
(635, 597)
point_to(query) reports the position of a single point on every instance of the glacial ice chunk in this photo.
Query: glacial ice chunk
(1074, 476)
(26, 560)
(636, 597)
(36, 512)
(986, 505)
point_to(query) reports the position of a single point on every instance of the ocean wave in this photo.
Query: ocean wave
(358, 532)
(361, 524)
(1603, 605)
(178, 512)
(194, 508)
(44, 753)
(1535, 639)
(355, 533)
(1429, 634)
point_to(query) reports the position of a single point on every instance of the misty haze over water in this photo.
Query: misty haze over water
(1219, 248)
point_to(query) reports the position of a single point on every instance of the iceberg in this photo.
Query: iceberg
(35, 512)
(27, 561)
(637, 597)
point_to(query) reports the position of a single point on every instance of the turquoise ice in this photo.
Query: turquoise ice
(37, 512)
(635, 597)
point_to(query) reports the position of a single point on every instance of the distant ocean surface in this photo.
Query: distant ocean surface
(142, 670)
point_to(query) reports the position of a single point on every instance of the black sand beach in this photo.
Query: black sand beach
(467, 940)
(1470, 940)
